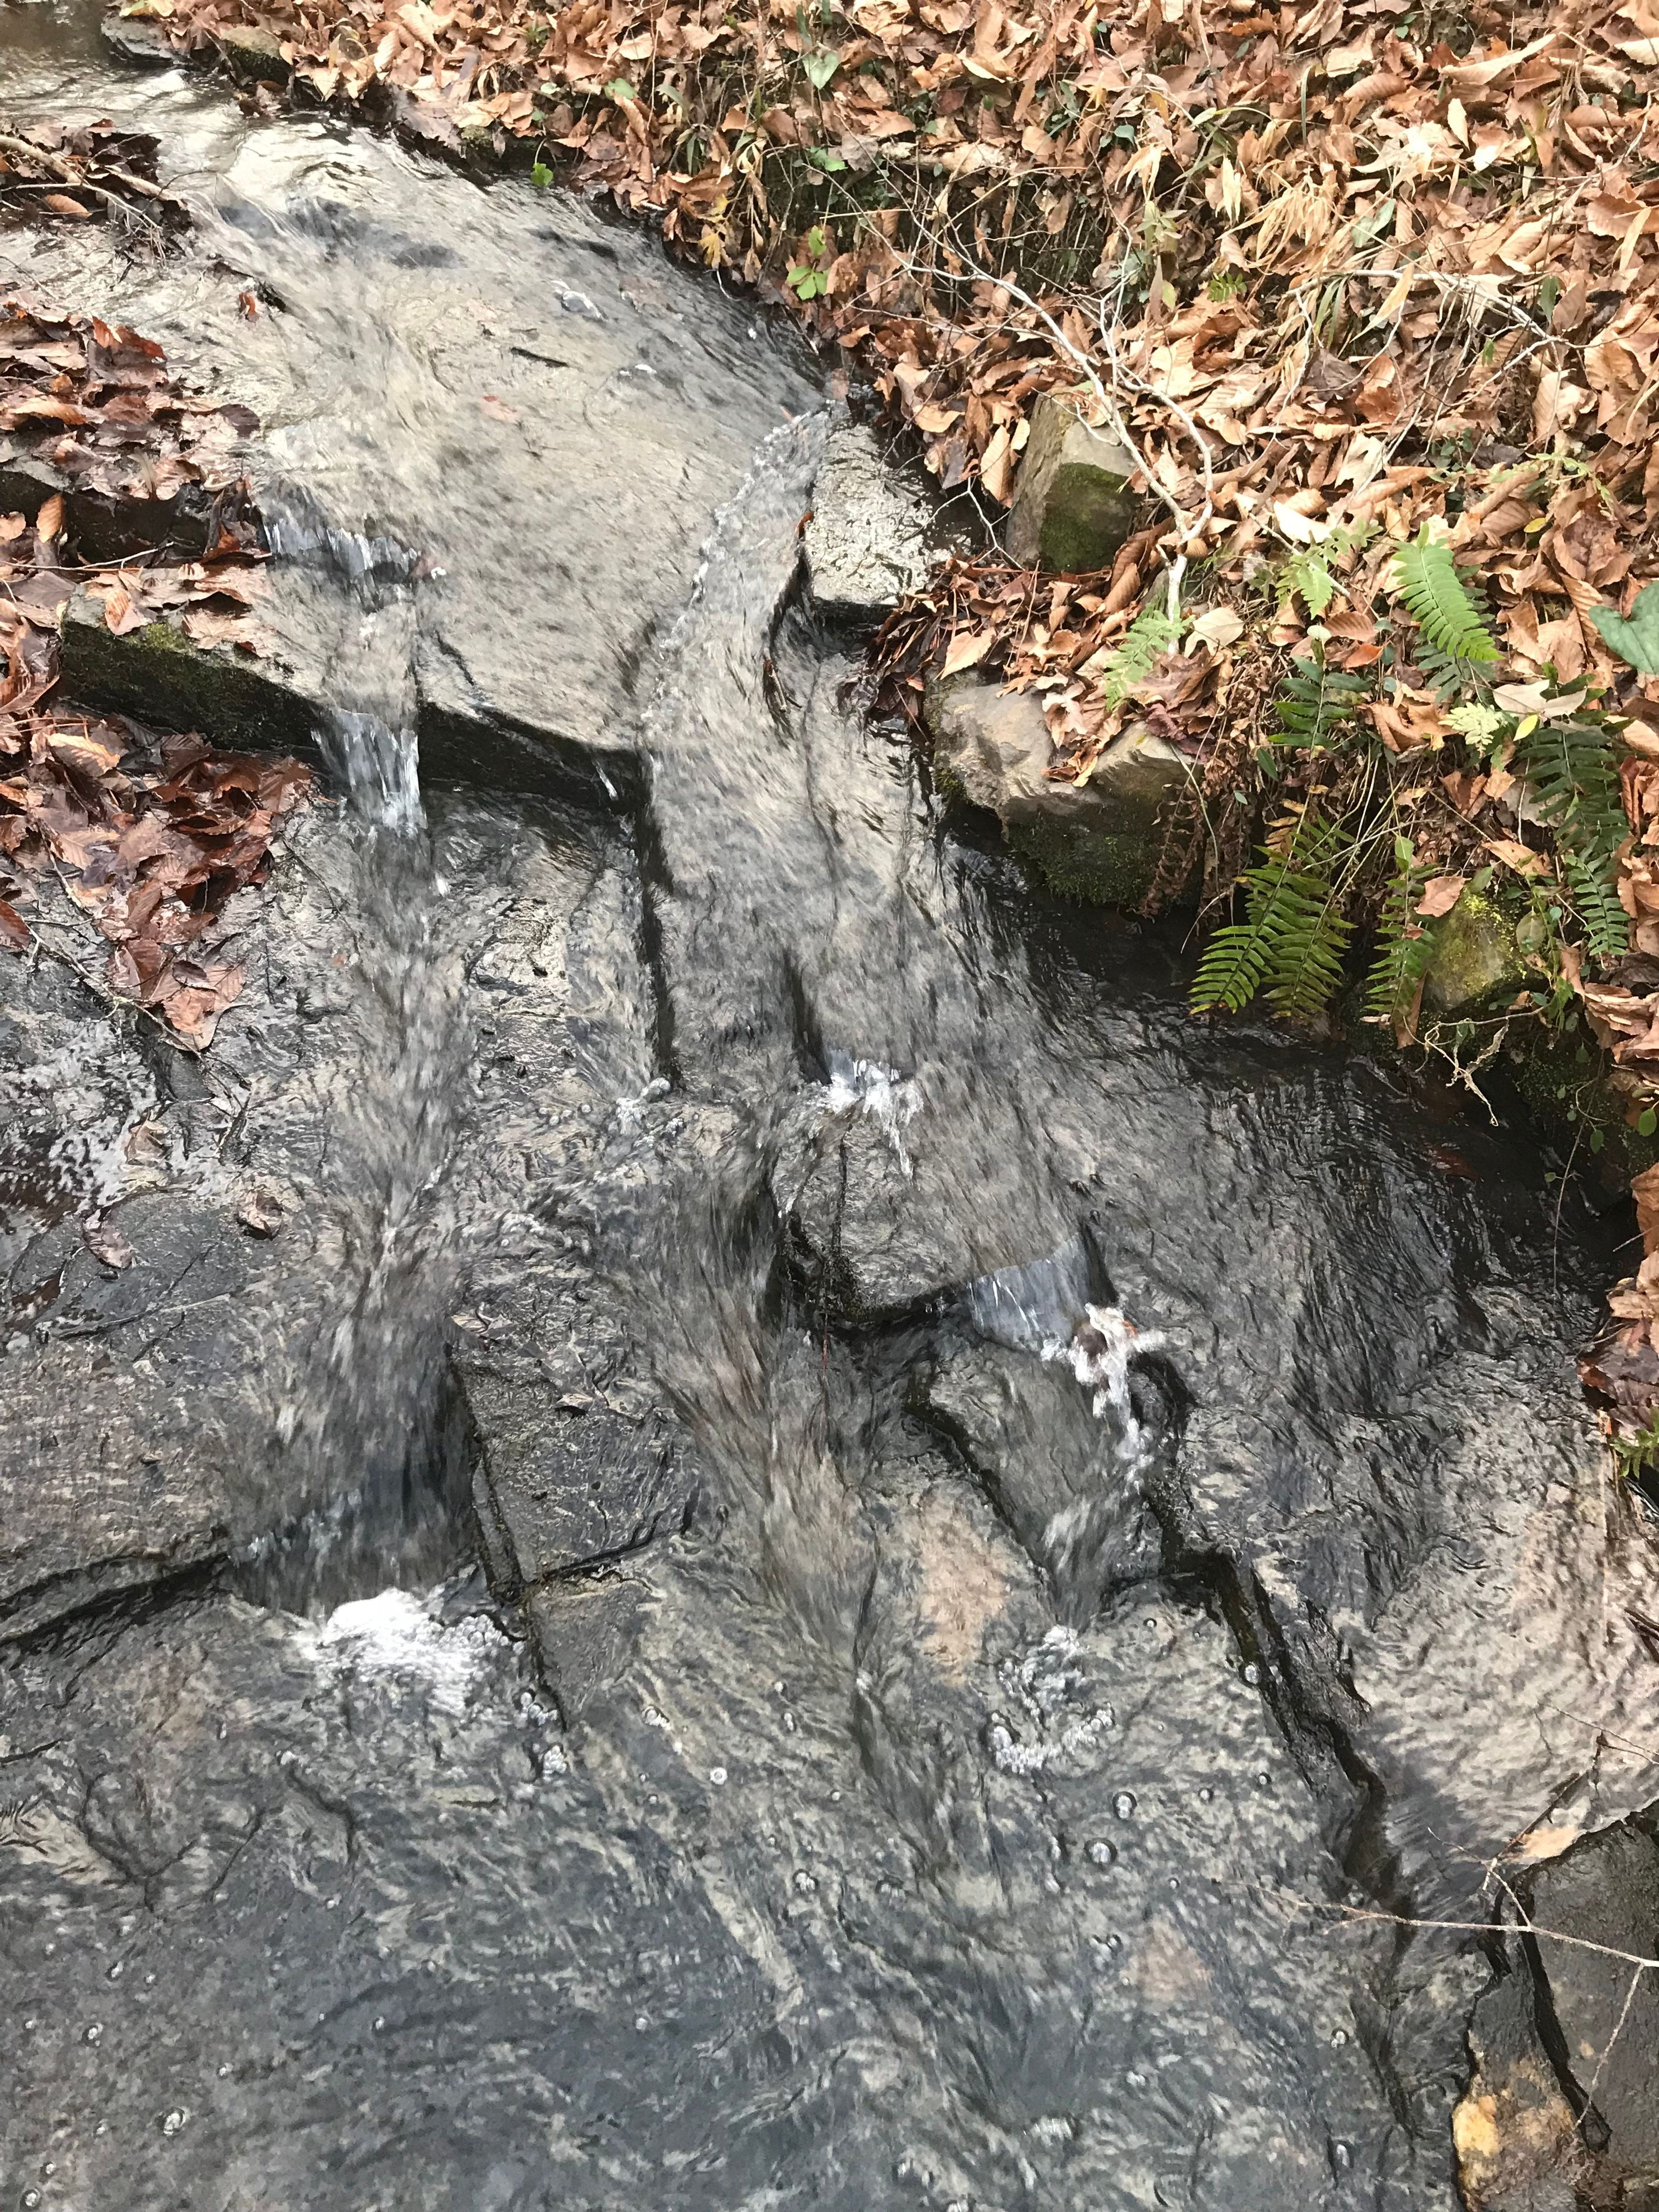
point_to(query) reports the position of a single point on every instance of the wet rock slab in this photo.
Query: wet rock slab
(172, 1365)
(559, 463)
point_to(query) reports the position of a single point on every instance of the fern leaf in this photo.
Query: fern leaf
(1231, 971)
(1569, 765)
(1316, 704)
(1152, 631)
(1400, 958)
(1425, 577)
(1291, 942)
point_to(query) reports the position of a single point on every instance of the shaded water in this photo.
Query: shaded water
(1136, 1502)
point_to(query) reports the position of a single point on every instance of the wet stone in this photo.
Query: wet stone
(866, 537)
(1100, 841)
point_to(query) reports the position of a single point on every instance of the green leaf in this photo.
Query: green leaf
(1425, 577)
(541, 175)
(620, 89)
(1646, 1122)
(808, 283)
(822, 158)
(821, 66)
(1636, 640)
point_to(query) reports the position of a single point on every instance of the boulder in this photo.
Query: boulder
(1101, 839)
(1563, 2107)
(867, 535)
(1605, 1890)
(1073, 507)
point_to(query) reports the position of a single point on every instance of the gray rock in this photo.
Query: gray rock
(1101, 839)
(576, 409)
(142, 44)
(1072, 508)
(866, 537)
(571, 1486)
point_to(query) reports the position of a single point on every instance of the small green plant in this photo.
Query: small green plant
(1317, 705)
(1568, 766)
(1157, 628)
(540, 174)
(807, 280)
(820, 66)
(1307, 575)
(1424, 577)
(1290, 945)
(822, 158)
(619, 90)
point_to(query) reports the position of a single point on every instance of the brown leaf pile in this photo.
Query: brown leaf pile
(92, 173)
(148, 841)
(96, 406)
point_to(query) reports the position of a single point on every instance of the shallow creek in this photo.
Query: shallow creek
(841, 1553)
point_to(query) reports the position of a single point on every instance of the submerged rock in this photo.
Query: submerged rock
(1101, 839)
(1072, 506)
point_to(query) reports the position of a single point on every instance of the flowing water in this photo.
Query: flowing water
(1108, 1507)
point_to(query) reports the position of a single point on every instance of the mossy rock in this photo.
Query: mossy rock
(1478, 961)
(157, 676)
(1072, 508)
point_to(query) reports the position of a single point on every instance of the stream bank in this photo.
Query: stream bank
(892, 1765)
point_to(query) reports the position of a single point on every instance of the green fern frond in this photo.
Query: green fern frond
(1596, 902)
(1291, 942)
(1425, 576)
(1399, 959)
(1316, 704)
(1153, 631)
(1570, 770)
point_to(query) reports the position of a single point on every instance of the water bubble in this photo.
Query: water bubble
(93, 2033)
(1204, 1796)
(1253, 1675)
(1114, 1942)
(1338, 2036)
(1264, 1778)
(379, 2021)
(1102, 1853)
(1341, 2156)
(1123, 1804)
(115, 1972)
(805, 1883)
(717, 1776)
(641, 2022)
(223, 2071)
(1174, 1881)
(30, 2197)
(174, 2122)
(1134, 2080)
